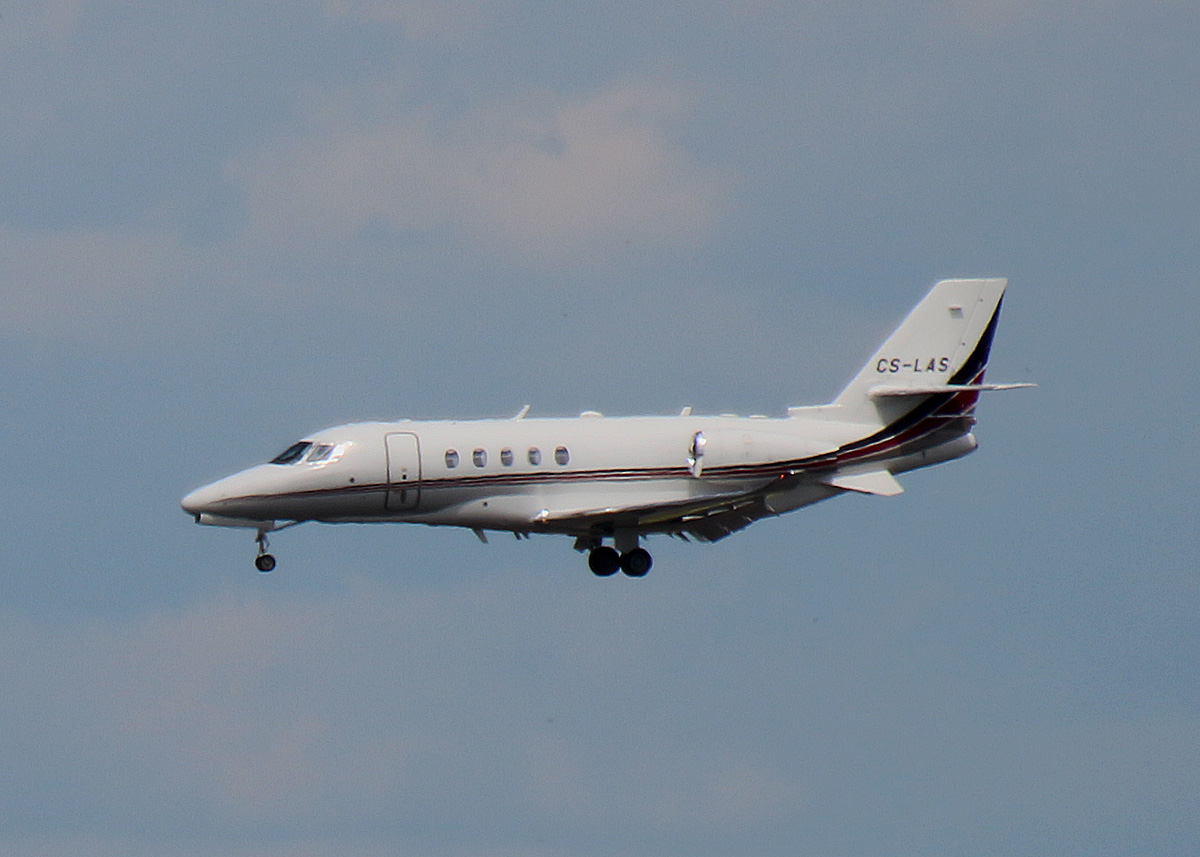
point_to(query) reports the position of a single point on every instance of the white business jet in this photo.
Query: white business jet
(611, 482)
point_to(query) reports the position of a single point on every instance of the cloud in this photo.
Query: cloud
(418, 19)
(86, 283)
(545, 182)
(59, 19)
(364, 711)
(992, 17)
(484, 711)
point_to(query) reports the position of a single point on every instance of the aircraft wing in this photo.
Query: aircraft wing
(708, 521)
(719, 524)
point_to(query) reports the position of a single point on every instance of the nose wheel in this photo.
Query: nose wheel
(264, 562)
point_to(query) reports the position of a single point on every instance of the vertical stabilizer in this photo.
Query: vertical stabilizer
(944, 340)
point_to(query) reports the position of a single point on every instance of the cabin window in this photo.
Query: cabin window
(479, 456)
(535, 456)
(292, 454)
(451, 458)
(506, 457)
(561, 456)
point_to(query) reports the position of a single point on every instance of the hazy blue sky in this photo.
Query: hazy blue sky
(224, 225)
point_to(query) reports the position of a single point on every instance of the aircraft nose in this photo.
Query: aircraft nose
(201, 500)
(245, 495)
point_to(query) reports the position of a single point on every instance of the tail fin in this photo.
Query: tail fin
(942, 345)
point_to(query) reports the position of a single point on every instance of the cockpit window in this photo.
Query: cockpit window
(293, 453)
(320, 452)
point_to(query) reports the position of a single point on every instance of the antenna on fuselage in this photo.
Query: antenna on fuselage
(521, 413)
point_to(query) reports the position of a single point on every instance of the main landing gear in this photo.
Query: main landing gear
(605, 561)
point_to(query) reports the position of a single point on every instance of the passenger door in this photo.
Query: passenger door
(404, 472)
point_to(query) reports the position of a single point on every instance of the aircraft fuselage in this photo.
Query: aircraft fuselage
(622, 478)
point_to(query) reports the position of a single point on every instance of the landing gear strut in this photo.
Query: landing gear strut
(264, 562)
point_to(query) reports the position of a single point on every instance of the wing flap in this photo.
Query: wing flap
(708, 520)
(719, 524)
(639, 515)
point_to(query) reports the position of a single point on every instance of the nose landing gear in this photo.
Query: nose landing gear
(264, 562)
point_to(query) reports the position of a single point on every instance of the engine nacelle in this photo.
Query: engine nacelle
(733, 448)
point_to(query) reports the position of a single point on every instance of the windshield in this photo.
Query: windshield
(292, 454)
(321, 452)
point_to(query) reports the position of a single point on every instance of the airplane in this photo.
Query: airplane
(610, 482)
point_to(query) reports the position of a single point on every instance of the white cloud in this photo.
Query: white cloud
(685, 711)
(992, 17)
(60, 19)
(547, 182)
(417, 18)
(368, 708)
(85, 283)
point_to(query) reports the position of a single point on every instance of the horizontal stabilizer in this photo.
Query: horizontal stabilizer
(885, 390)
(876, 482)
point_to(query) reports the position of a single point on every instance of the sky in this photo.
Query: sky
(226, 225)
